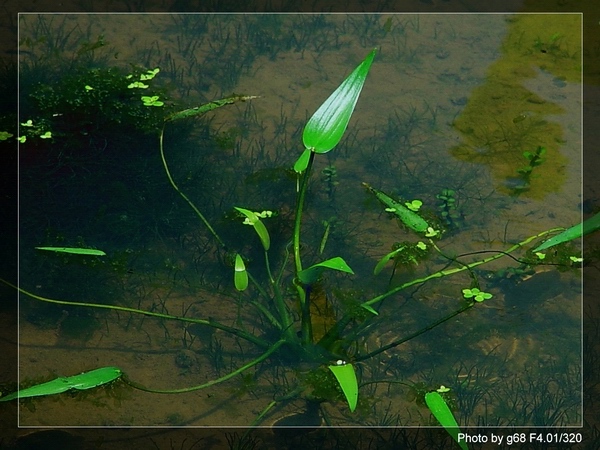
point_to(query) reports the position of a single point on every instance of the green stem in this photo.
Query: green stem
(444, 273)
(245, 367)
(299, 207)
(415, 334)
(336, 330)
(211, 323)
(262, 414)
(285, 321)
(185, 197)
(302, 295)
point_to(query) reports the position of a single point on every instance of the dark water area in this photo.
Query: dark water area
(452, 106)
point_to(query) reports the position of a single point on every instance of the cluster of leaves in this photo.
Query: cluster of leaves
(448, 210)
(95, 102)
(534, 159)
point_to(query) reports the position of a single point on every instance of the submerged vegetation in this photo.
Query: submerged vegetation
(281, 284)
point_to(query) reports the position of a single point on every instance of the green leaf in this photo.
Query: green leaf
(383, 261)
(259, 227)
(310, 275)
(576, 231)
(369, 308)
(409, 218)
(415, 205)
(240, 279)
(302, 162)
(438, 407)
(346, 376)
(209, 107)
(86, 380)
(76, 251)
(326, 127)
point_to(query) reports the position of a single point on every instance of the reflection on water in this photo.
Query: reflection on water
(513, 360)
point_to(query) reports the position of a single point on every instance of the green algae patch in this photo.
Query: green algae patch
(504, 118)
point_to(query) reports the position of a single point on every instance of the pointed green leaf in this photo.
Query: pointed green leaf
(310, 275)
(383, 261)
(409, 218)
(76, 251)
(191, 112)
(438, 407)
(346, 376)
(240, 278)
(302, 162)
(259, 227)
(369, 308)
(576, 231)
(326, 127)
(86, 380)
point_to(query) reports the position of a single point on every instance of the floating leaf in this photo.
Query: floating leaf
(415, 205)
(326, 127)
(86, 380)
(438, 407)
(76, 251)
(137, 84)
(346, 376)
(310, 275)
(152, 100)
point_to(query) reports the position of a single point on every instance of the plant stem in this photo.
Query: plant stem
(299, 207)
(415, 334)
(443, 273)
(302, 294)
(285, 321)
(337, 329)
(245, 367)
(211, 323)
(185, 197)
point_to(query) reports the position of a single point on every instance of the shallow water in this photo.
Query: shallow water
(413, 134)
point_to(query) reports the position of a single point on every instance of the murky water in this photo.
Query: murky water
(444, 108)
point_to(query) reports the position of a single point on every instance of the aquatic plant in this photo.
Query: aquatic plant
(324, 362)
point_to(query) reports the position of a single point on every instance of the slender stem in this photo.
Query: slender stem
(284, 314)
(245, 367)
(262, 414)
(336, 330)
(299, 207)
(185, 197)
(211, 323)
(284, 263)
(307, 332)
(415, 334)
(302, 294)
(285, 321)
(444, 273)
